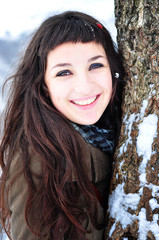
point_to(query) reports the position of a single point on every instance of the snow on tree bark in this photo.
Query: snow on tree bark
(133, 208)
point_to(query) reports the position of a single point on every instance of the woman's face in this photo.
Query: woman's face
(79, 81)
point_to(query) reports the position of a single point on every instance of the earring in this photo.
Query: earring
(116, 75)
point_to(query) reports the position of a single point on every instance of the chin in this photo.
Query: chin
(87, 122)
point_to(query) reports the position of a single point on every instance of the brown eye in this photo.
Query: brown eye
(95, 65)
(63, 73)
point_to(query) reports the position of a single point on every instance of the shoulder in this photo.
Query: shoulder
(17, 193)
(100, 164)
(16, 177)
(16, 188)
(17, 165)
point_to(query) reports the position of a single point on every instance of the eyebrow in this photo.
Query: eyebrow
(68, 64)
(62, 65)
(95, 58)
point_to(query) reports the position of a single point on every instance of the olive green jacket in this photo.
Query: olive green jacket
(18, 193)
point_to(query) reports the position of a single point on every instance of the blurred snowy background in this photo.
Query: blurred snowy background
(19, 18)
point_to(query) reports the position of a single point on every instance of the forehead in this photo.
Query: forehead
(76, 51)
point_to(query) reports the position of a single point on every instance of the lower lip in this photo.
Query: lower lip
(88, 106)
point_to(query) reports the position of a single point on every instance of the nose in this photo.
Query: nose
(83, 84)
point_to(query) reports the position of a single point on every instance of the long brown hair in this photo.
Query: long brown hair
(32, 124)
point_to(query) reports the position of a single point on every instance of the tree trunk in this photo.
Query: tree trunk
(133, 211)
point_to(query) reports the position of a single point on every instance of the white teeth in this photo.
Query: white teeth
(85, 102)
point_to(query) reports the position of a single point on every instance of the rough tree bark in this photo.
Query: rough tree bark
(133, 211)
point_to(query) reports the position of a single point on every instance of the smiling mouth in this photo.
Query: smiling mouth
(86, 101)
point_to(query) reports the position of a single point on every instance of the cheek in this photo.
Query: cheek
(106, 82)
(57, 93)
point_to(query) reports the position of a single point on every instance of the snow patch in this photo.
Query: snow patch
(153, 204)
(145, 226)
(119, 205)
(128, 126)
(147, 132)
(119, 202)
(112, 229)
(143, 108)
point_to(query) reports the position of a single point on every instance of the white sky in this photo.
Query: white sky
(17, 16)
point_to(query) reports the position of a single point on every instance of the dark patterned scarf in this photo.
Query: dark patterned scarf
(100, 138)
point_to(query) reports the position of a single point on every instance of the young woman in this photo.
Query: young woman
(61, 126)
